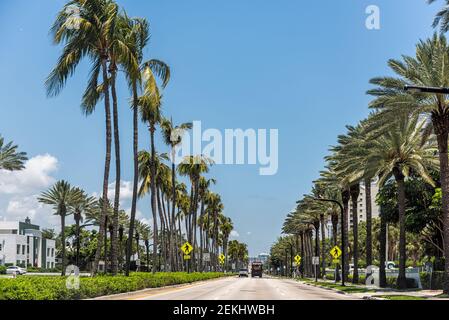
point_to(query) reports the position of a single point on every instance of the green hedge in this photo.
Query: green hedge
(42, 270)
(2, 270)
(437, 280)
(54, 288)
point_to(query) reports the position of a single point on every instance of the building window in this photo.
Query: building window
(1, 248)
(23, 249)
(18, 249)
(52, 252)
(48, 252)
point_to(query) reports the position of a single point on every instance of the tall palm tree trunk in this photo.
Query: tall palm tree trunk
(345, 195)
(441, 127)
(323, 246)
(78, 245)
(135, 177)
(107, 164)
(317, 247)
(114, 229)
(402, 280)
(369, 223)
(106, 243)
(173, 209)
(355, 191)
(162, 235)
(153, 196)
(382, 250)
(301, 266)
(62, 216)
(201, 267)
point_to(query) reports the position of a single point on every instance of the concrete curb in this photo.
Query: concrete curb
(118, 296)
(326, 288)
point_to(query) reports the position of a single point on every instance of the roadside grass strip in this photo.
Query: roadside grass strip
(348, 288)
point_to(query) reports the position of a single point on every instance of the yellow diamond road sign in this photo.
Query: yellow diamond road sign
(298, 259)
(335, 252)
(186, 248)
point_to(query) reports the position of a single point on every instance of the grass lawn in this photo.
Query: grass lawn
(336, 286)
(400, 297)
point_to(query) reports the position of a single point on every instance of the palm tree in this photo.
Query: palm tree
(145, 234)
(173, 137)
(428, 68)
(442, 17)
(92, 37)
(60, 196)
(137, 37)
(194, 167)
(226, 226)
(203, 224)
(78, 206)
(149, 179)
(396, 153)
(10, 159)
(214, 208)
(150, 108)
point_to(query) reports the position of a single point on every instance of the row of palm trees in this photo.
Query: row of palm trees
(405, 135)
(102, 33)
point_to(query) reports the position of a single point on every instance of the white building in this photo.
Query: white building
(361, 204)
(22, 244)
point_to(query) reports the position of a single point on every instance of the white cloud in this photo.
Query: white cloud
(126, 190)
(234, 234)
(35, 176)
(19, 191)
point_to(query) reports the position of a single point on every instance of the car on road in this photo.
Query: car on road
(16, 270)
(243, 272)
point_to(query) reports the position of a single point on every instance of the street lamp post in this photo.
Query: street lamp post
(343, 240)
(420, 89)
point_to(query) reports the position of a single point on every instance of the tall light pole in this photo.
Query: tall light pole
(421, 89)
(343, 240)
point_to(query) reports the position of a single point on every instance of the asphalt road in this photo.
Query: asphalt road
(242, 289)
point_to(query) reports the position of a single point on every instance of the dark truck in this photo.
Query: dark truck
(256, 269)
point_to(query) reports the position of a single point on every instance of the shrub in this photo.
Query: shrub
(54, 287)
(437, 280)
(2, 270)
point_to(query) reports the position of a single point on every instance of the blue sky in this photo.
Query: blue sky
(298, 66)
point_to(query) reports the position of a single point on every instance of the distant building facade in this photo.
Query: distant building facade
(361, 204)
(22, 244)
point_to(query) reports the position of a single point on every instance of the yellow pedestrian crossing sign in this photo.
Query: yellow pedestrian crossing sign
(298, 259)
(222, 258)
(187, 248)
(335, 252)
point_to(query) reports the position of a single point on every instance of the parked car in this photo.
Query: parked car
(390, 265)
(16, 270)
(243, 272)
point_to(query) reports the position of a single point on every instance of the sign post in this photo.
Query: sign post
(316, 262)
(336, 253)
(187, 248)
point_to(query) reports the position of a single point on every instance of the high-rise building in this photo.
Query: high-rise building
(361, 204)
